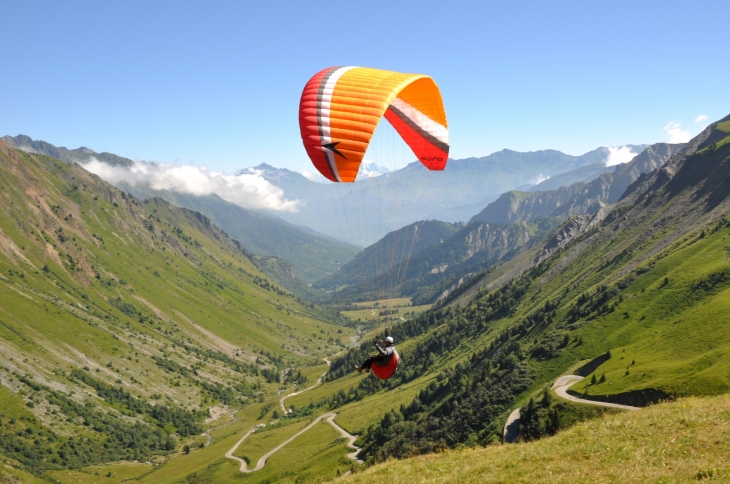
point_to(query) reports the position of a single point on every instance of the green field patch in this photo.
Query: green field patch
(105, 474)
(12, 404)
(395, 302)
(11, 471)
(395, 313)
(265, 439)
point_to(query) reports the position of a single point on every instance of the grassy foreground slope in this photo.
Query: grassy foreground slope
(683, 441)
(124, 325)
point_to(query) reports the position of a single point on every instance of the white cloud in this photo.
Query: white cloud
(248, 190)
(538, 179)
(700, 118)
(619, 154)
(676, 134)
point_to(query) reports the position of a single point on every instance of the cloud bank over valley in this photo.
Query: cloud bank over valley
(248, 190)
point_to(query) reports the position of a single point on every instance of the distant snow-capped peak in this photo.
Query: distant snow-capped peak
(370, 169)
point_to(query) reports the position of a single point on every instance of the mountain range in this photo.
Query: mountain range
(578, 198)
(78, 155)
(312, 254)
(129, 327)
(513, 223)
(365, 211)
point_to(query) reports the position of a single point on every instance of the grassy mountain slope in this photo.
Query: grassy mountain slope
(122, 323)
(577, 198)
(636, 293)
(313, 255)
(389, 253)
(439, 267)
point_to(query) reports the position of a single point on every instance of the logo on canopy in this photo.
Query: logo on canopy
(331, 147)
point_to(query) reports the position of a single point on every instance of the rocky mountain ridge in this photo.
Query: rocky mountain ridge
(78, 155)
(455, 194)
(578, 198)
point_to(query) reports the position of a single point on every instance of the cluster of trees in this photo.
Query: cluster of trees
(461, 407)
(110, 436)
(265, 284)
(592, 304)
(271, 375)
(712, 280)
(539, 418)
(296, 377)
(173, 366)
(217, 355)
(185, 422)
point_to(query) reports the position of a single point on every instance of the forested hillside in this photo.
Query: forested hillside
(640, 290)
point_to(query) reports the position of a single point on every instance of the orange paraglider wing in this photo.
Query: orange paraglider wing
(385, 372)
(341, 107)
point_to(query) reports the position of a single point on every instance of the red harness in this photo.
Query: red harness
(386, 371)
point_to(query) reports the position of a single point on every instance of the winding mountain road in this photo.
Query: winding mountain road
(561, 386)
(563, 383)
(319, 382)
(330, 420)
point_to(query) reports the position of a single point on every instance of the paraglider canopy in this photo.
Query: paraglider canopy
(341, 107)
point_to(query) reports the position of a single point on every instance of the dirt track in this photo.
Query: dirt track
(330, 420)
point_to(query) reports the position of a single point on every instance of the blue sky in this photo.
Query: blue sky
(217, 84)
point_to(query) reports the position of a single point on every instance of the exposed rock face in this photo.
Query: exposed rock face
(495, 238)
(578, 198)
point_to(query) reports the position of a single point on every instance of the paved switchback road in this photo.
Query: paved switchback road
(563, 383)
(561, 386)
